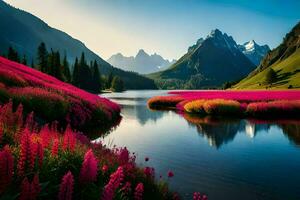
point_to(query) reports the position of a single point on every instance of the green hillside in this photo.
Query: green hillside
(284, 60)
(288, 74)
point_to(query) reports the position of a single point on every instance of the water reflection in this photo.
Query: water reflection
(222, 157)
(220, 131)
(141, 113)
(292, 131)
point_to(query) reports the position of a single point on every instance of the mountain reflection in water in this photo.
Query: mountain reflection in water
(224, 158)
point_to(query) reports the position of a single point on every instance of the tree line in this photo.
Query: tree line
(83, 74)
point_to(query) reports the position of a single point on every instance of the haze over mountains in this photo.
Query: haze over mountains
(284, 60)
(24, 32)
(142, 63)
(210, 63)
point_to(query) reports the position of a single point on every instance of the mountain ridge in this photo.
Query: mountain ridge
(207, 64)
(142, 62)
(29, 31)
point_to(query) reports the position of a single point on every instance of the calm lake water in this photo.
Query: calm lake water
(223, 158)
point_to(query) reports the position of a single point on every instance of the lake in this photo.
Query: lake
(223, 158)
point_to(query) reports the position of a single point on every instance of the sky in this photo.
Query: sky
(167, 27)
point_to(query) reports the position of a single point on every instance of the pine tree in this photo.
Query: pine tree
(75, 75)
(66, 69)
(42, 57)
(57, 68)
(85, 78)
(24, 60)
(13, 55)
(109, 80)
(32, 64)
(50, 64)
(97, 86)
(117, 84)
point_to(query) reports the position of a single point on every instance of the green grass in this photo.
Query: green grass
(288, 73)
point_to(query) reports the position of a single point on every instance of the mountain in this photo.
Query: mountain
(209, 63)
(142, 63)
(25, 32)
(283, 60)
(253, 51)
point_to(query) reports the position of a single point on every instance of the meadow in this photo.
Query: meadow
(52, 99)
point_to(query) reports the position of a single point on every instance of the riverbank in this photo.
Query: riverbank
(43, 156)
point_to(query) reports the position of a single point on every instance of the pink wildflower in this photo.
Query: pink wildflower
(55, 147)
(26, 157)
(30, 191)
(170, 174)
(6, 168)
(138, 193)
(126, 189)
(114, 182)
(149, 172)
(66, 187)
(69, 140)
(104, 168)
(89, 168)
(198, 196)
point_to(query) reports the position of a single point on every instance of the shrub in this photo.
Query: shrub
(195, 106)
(274, 108)
(164, 101)
(49, 105)
(222, 107)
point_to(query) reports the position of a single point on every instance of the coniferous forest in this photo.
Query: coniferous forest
(81, 74)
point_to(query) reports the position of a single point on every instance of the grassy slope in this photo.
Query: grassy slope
(288, 72)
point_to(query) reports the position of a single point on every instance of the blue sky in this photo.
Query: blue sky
(167, 27)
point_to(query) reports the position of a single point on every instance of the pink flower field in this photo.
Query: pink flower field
(52, 99)
(267, 104)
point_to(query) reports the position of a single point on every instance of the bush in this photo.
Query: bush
(271, 76)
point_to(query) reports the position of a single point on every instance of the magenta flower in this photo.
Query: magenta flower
(1, 131)
(104, 168)
(6, 168)
(198, 196)
(149, 172)
(66, 187)
(55, 147)
(69, 140)
(138, 193)
(27, 153)
(30, 191)
(126, 189)
(89, 168)
(114, 182)
(170, 174)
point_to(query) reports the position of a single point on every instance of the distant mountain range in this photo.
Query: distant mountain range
(253, 51)
(210, 63)
(25, 32)
(284, 60)
(142, 63)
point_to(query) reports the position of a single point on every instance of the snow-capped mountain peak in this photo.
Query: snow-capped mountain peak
(254, 51)
(250, 46)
